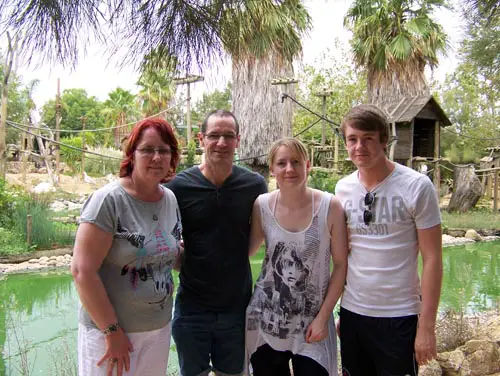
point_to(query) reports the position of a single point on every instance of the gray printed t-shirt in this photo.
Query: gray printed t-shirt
(137, 271)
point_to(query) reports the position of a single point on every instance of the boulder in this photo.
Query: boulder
(430, 369)
(451, 362)
(482, 358)
(472, 234)
(456, 232)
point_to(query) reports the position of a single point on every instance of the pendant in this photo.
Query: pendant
(155, 217)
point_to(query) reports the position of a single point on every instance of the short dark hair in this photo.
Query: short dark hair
(367, 117)
(167, 135)
(219, 113)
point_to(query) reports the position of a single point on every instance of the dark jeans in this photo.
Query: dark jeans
(269, 362)
(208, 340)
(377, 346)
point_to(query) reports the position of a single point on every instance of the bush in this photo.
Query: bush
(8, 197)
(323, 180)
(95, 165)
(46, 233)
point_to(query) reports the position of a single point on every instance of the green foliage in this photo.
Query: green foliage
(100, 166)
(386, 33)
(191, 153)
(322, 180)
(11, 243)
(46, 233)
(8, 197)
(472, 106)
(73, 157)
(75, 104)
(482, 42)
(19, 102)
(215, 100)
(348, 86)
(479, 218)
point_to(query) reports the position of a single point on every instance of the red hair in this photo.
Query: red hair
(167, 135)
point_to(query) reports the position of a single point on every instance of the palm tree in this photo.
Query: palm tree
(119, 109)
(257, 59)
(156, 90)
(394, 40)
(56, 30)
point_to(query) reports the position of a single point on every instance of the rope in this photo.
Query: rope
(103, 129)
(63, 144)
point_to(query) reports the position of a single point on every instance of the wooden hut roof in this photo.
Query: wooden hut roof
(407, 108)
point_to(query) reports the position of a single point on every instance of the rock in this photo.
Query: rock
(451, 362)
(44, 188)
(430, 369)
(489, 232)
(57, 206)
(33, 261)
(482, 358)
(472, 234)
(456, 232)
(74, 206)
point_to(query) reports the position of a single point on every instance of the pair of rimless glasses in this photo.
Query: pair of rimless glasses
(367, 213)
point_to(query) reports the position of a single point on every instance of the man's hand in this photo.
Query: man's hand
(425, 344)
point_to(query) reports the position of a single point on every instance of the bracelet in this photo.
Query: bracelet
(113, 328)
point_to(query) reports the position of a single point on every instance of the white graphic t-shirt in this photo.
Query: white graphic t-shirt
(382, 272)
(291, 288)
(137, 271)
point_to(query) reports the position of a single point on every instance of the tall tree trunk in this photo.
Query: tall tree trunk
(398, 80)
(467, 189)
(9, 61)
(258, 106)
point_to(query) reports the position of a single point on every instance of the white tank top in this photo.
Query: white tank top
(292, 286)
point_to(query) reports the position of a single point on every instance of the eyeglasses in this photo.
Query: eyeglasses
(212, 137)
(367, 214)
(150, 152)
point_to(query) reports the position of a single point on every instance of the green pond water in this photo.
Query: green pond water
(38, 320)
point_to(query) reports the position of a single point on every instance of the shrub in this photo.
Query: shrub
(45, 232)
(323, 180)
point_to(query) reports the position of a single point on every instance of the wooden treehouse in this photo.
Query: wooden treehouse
(416, 132)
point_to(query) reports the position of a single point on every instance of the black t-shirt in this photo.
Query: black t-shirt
(216, 228)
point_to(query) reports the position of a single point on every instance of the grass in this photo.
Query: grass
(475, 219)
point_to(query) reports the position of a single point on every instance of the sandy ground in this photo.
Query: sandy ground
(69, 184)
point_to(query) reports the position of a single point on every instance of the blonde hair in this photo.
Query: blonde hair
(291, 143)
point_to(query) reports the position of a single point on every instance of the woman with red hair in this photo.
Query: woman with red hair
(126, 245)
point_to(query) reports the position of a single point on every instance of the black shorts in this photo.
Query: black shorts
(377, 346)
(269, 362)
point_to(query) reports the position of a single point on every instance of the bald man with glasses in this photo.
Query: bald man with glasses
(388, 316)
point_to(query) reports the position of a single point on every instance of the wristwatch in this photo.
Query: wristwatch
(113, 328)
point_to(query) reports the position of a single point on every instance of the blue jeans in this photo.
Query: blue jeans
(208, 340)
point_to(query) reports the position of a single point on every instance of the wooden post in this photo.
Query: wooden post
(189, 79)
(495, 192)
(25, 156)
(312, 156)
(336, 153)
(58, 125)
(29, 229)
(323, 94)
(84, 121)
(437, 154)
(489, 184)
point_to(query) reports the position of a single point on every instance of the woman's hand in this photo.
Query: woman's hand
(118, 347)
(317, 330)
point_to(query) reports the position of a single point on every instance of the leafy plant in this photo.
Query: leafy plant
(323, 180)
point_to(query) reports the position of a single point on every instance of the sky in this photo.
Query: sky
(98, 76)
